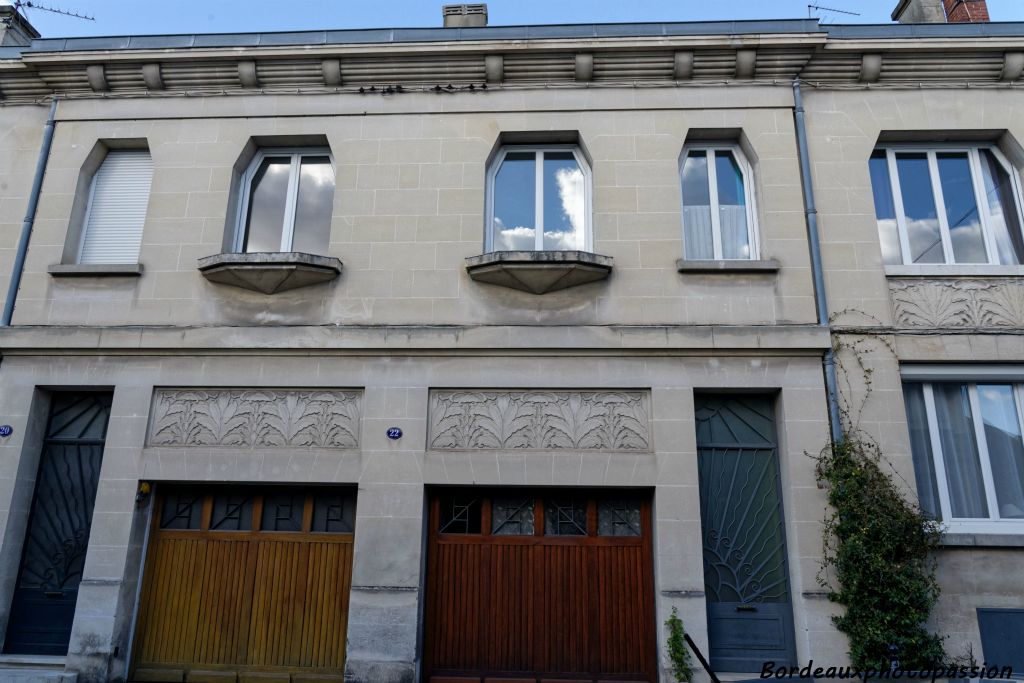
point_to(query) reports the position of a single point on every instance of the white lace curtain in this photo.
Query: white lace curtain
(697, 232)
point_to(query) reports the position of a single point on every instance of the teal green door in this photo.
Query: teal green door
(57, 537)
(746, 580)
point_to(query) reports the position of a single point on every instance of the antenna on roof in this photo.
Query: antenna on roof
(28, 4)
(830, 9)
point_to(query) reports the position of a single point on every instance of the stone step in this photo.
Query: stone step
(23, 674)
(34, 669)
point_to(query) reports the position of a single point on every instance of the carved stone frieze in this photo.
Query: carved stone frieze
(959, 303)
(540, 420)
(255, 418)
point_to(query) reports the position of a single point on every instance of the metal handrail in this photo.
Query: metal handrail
(700, 656)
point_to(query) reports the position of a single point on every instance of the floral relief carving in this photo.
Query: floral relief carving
(255, 418)
(961, 303)
(540, 420)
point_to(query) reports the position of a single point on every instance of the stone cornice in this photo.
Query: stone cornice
(61, 68)
(501, 340)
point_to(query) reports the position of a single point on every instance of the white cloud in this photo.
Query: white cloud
(571, 192)
(518, 238)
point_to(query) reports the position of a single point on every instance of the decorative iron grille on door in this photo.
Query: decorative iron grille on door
(745, 573)
(57, 536)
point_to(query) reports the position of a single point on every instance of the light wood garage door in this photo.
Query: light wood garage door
(246, 584)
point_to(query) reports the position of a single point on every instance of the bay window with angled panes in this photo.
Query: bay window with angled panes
(287, 200)
(538, 199)
(966, 441)
(947, 205)
(718, 211)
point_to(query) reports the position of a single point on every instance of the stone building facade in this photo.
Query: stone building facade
(465, 436)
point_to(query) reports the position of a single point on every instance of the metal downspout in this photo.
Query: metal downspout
(814, 244)
(30, 217)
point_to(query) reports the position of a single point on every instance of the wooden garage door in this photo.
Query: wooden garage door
(523, 586)
(244, 580)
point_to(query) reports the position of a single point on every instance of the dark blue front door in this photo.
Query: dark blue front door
(750, 616)
(43, 606)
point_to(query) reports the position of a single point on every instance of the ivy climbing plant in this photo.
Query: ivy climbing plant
(879, 560)
(879, 548)
(678, 653)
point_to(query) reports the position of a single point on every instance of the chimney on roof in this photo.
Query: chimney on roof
(919, 12)
(966, 11)
(15, 31)
(464, 16)
(940, 11)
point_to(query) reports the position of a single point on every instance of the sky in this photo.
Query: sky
(138, 17)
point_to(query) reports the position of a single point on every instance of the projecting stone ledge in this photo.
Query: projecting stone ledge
(269, 272)
(539, 272)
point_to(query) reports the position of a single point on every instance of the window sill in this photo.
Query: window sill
(539, 272)
(271, 272)
(95, 270)
(950, 271)
(765, 266)
(989, 540)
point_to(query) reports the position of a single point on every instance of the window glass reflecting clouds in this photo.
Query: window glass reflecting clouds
(958, 206)
(885, 208)
(1005, 449)
(314, 205)
(291, 201)
(267, 201)
(564, 202)
(1002, 210)
(961, 208)
(919, 208)
(515, 198)
(554, 202)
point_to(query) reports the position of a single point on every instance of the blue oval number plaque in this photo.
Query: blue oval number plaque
(394, 433)
(6, 430)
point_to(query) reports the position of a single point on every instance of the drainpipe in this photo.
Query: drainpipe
(814, 244)
(30, 217)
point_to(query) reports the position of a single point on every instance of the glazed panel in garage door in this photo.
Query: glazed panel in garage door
(523, 586)
(245, 580)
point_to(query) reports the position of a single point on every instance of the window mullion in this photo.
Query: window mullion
(897, 199)
(940, 208)
(986, 465)
(538, 209)
(974, 157)
(291, 200)
(940, 466)
(716, 219)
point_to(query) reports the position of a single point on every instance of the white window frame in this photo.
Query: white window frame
(539, 150)
(993, 524)
(974, 160)
(748, 193)
(288, 228)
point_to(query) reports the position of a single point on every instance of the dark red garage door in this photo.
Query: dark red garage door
(531, 585)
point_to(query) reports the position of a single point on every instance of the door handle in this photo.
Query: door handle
(54, 594)
(746, 608)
